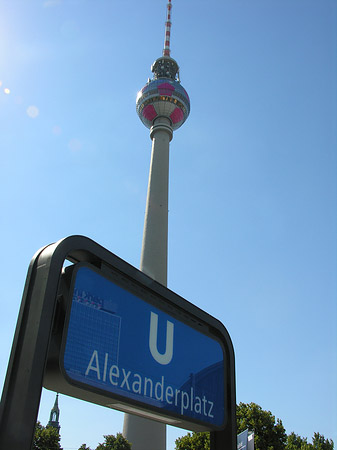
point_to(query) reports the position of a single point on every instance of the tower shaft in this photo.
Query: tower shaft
(145, 434)
(154, 247)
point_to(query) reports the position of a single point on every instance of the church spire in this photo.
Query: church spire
(54, 415)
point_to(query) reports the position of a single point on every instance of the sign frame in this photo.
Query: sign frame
(38, 329)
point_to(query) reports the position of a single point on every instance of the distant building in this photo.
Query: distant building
(55, 415)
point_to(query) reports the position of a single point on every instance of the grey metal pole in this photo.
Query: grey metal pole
(145, 434)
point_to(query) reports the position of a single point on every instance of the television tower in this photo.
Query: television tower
(163, 106)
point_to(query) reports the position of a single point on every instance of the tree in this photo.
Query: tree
(268, 433)
(194, 441)
(320, 443)
(112, 442)
(295, 442)
(46, 438)
(84, 447)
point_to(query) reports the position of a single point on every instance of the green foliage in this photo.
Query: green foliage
(320, 443)
(194, 441)
(268, 433)
(46, 438)
(295, 442)
(112, 442)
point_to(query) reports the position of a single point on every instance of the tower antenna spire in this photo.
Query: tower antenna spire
(167, 49)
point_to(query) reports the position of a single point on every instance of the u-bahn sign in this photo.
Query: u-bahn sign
(110, 335)
(119, 344)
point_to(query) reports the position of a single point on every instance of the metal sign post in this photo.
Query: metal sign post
(102, 331)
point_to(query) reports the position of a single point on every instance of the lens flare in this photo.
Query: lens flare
(32, 111)
(56, 130)
(74, 145)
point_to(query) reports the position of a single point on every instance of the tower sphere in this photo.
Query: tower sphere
(163, 96)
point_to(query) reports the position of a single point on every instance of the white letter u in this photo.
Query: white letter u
(161, 358)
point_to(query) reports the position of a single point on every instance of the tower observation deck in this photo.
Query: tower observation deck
(164, 96)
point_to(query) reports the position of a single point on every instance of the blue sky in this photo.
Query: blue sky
(252, 221)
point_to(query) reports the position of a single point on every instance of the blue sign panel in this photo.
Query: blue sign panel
(131, 347)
